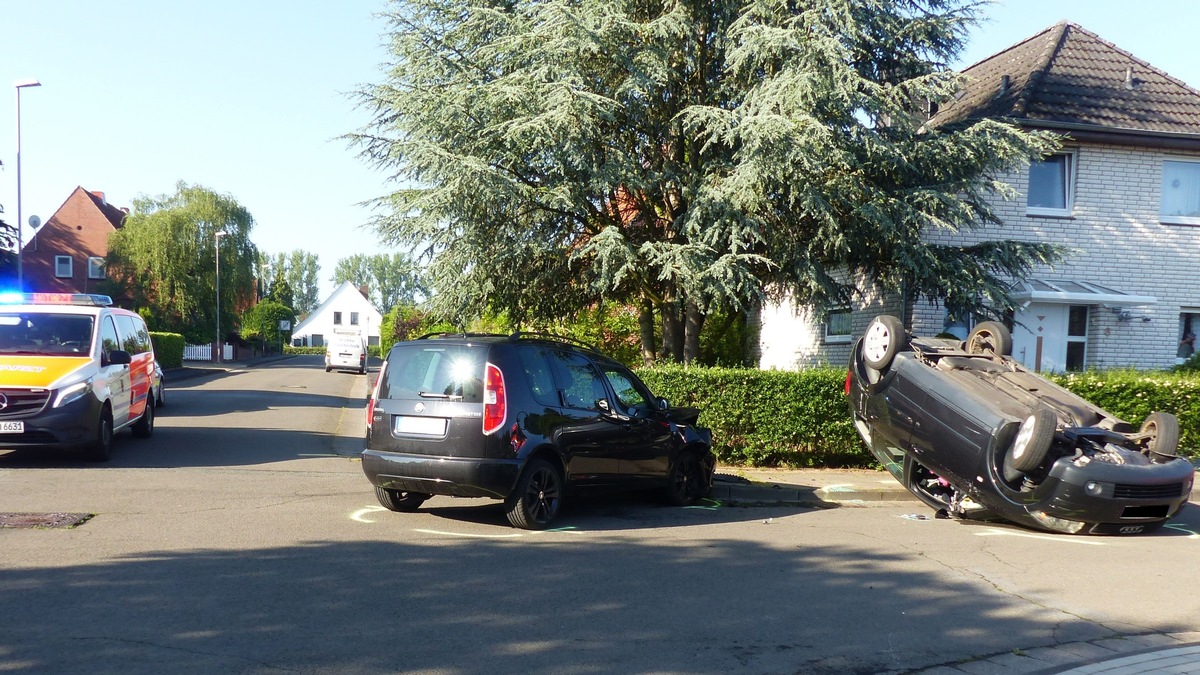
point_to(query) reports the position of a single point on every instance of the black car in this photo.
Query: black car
(974, 434)
(524, 418)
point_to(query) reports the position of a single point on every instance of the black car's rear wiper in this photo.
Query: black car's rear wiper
(430, 394)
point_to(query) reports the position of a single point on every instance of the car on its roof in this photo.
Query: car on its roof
(527, 419)
(974, 434)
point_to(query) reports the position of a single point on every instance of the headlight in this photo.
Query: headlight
(72, 393)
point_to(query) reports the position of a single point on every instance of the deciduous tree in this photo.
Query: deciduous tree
(391, 279)
(683, 155)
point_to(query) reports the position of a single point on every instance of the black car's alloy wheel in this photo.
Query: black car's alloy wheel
(399, 500)
(1029, 448)
(538, 497)
(884, 338)
(687, 483)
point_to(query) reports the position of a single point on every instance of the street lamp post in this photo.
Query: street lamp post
(21, 84)
(217, 246)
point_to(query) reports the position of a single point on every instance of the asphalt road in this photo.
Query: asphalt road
(243, 538)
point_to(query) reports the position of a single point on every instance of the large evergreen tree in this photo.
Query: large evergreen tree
(164, 259)
(682, 155)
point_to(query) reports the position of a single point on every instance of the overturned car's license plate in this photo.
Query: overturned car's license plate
(424, 426)
(12, 427)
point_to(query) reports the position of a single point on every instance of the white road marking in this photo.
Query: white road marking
(1047, 537)
(470, 536)
(1182, 528)
(360, 514)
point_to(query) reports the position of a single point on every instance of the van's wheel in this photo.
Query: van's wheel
(100, 449)
(1029, 448)
(399, 500)
(1163, 430)
(884, 338)
(144, 427)
(537, 498)
(990, 338)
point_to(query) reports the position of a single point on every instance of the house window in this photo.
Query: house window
(95, 268)
(1077, 329)
(1180, 193)
(837, 325)
(62, 266)
(1052, 186)
(337, 318)
(1189, 323)
(353, 318)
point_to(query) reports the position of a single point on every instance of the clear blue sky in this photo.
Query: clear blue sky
(248, 97)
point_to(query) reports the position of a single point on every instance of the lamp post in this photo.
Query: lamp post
(21, 84)
(217, 247)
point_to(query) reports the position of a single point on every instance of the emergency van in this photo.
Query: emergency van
(74, 370)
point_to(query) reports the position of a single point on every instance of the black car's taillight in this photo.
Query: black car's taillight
(495, 401)
(847, 386)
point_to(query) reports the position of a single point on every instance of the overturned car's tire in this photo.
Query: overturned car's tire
(1163, 429)
(1029, 448)
(991, 338)
(885, 337)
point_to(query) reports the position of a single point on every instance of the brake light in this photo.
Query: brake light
(847, 390)
(495, 402)
(375, 396)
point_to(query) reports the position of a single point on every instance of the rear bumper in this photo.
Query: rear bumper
(437, 475)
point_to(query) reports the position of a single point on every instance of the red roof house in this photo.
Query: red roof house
(67, 253)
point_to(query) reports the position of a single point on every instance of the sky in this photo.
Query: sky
(249, 98)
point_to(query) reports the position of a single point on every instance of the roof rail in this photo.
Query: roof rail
(523, 335)
(459, 334)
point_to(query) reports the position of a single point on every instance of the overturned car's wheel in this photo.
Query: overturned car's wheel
(990, 338)
(885, 337)
(1029, 448)
(1163, 430)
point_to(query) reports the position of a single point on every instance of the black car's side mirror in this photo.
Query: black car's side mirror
(663, 404)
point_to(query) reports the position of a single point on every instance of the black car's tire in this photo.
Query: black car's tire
(687, 483)
(1163, 429)
(883, 339)
(398, 500)
(144, 428)
(537, 498)
(100, 449)
(1033, 440)
(990, 337)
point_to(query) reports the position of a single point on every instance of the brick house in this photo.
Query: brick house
(67, 253)
(1123, 194)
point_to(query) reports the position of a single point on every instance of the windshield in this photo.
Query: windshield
(442, 372)
(38, 333)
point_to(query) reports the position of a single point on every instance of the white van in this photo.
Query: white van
(346, 351)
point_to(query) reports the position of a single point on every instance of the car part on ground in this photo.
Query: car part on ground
(970, 431)
(527, 419)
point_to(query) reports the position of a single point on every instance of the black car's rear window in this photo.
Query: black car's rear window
(453, 372)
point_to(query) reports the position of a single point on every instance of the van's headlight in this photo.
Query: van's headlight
(72, 392)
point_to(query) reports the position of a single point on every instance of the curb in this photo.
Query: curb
(745, 492)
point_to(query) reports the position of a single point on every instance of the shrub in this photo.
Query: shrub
(168, 349)
(1131, 395)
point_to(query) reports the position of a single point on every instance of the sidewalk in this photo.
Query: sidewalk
(806, 487)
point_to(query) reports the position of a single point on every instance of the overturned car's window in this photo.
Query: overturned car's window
(52, 334)
(453, 372)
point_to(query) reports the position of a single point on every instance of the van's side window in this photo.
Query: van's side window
(131, 338)
(109, 342)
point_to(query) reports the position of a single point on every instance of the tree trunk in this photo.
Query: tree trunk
(694, 323)
(672, 332)
(646, 328)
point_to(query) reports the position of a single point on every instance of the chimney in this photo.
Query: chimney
(100, 196)
(1005, 83)
(363, 289)
(1130, 83)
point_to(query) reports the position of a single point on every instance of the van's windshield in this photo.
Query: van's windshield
(49, 334)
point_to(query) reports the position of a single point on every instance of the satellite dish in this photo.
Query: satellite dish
(35, 222)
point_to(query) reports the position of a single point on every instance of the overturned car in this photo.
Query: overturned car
(974, 434)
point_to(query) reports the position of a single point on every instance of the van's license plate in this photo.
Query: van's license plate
(425, 426)
(12, 427)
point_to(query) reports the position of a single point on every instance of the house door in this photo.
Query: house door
(1040, 337)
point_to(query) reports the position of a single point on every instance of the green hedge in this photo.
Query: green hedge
(768, 417)
(168, 349)
(801, 419)
(372, 350)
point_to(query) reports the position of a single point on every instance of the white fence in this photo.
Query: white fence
(204, 352)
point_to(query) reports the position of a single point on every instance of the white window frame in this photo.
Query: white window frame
(64, 266)
(353, 318)
(1175, 219)
(838, 338)
(337, 318)
(96, 267)
(1069, 186)
(1078, 339)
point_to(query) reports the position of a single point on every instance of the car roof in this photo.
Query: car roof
(514, 338)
